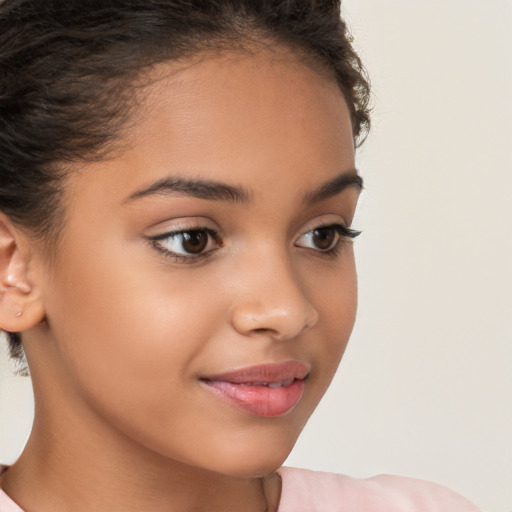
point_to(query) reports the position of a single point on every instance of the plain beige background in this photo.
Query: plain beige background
(425, 388)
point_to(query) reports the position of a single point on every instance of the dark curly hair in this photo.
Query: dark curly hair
(67, 68)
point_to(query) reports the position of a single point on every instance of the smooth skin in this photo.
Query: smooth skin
(119, 333)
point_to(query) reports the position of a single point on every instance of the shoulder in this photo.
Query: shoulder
(316, 491)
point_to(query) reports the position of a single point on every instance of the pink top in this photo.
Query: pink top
(315, 491)
(7, 505)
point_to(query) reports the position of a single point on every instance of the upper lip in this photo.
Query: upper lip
(263, 373)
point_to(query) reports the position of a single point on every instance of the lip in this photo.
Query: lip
(266, 390)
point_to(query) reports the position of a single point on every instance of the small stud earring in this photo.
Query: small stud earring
(19, 313)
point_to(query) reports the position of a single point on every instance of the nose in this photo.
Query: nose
(273, 302)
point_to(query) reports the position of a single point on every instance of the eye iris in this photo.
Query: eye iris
(194, 242)
(324, 238)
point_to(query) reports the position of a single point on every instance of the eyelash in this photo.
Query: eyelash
(346, 235)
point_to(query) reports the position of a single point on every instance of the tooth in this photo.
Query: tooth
(272, 385)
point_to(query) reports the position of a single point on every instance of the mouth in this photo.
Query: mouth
(269, 390)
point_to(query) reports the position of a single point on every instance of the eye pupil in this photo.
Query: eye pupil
(324, 238)
(194, 242)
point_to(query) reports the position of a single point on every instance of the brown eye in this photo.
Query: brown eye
(191, 244)
(321, 239)
(324, 238)
(194, 242)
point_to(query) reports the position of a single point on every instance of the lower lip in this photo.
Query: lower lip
(260, 400)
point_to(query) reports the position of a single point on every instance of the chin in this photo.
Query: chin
(258, 460)
(251, 468)
(255, 451)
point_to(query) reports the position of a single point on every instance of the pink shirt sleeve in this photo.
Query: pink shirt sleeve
(7, 505)
(315, 491)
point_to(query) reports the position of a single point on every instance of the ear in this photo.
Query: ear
(20, 303)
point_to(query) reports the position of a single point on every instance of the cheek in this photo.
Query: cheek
(129, 351)
(335, 297)
(133, 333)
(334, 294)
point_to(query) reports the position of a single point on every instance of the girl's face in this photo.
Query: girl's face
(205, 287)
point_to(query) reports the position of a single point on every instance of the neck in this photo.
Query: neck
(67, 467)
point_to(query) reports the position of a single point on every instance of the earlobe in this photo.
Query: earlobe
(20, 304)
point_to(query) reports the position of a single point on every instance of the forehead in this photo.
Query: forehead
(213, 110)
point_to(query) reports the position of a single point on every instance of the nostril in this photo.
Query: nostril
(311, 317)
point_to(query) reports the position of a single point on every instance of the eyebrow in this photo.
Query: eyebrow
(216, 191)
(201, 189)
(347, 179)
